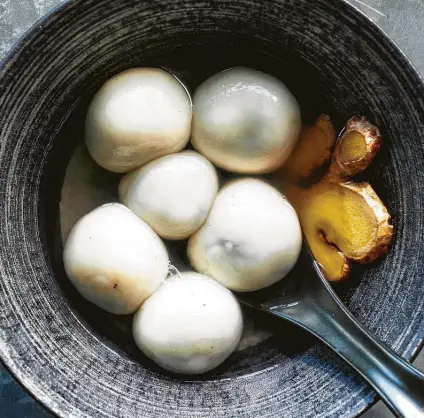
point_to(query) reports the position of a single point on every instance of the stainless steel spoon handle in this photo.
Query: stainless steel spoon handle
(322, 313)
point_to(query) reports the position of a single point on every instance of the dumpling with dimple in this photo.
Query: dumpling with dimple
(251, 238)
(190, 325)
(173, 194)
(137, 116)
(245, 121)
(114, 259)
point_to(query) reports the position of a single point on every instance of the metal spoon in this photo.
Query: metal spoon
(310, 302)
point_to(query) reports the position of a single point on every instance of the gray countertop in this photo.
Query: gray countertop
(403, 20)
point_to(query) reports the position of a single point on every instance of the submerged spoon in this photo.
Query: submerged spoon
(310, 302)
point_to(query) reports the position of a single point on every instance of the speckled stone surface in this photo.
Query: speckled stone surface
(402, 19)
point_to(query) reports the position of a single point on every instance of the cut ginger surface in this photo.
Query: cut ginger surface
(343, 221)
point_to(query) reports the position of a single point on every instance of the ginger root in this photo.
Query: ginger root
(343, 221)
(355, 150)
(312, 151)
